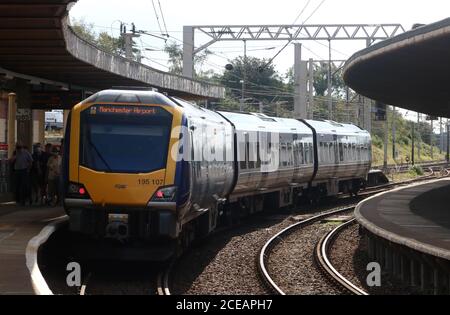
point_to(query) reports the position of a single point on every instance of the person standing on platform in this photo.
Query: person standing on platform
(22, 162)
(45, 157)
(37, 173)
(53, 174)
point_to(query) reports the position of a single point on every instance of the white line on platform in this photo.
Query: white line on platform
(38, 282)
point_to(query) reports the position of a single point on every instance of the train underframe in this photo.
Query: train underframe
(155, 226)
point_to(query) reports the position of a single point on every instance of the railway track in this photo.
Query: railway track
(322, 252)
(163, 280)
(400, 168)
(277, 238)
(122, 279)
(323, 247)
(162, 275)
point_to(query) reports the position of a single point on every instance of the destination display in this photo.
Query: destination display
(124, 110)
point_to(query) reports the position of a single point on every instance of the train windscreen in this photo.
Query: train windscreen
(124, 139)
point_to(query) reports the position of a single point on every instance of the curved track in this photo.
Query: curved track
(322, 258)
(266, 249)
(324, 245)
(162, 276)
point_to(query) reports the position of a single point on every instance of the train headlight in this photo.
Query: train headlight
(77, 191)
(166, 194)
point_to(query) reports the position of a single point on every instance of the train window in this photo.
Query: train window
(344, 151)
(349, 152)
(295, 153)
(243, 156)
(311, 153)
(191, 144)
(341, 152)
(258, 155)
(330, 152)
(281, 154)
(321, 153)
(352, 152)
(290, 154)
(224, 146)
(137, 144)
(249, 152)
(284, 154)
(302, 154)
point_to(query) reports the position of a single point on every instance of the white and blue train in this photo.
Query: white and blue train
(141, 165)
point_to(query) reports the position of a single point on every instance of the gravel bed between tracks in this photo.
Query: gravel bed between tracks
(226, 263)
(291, 263)
(349, 256)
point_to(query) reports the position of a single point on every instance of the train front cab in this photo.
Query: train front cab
(119, 175)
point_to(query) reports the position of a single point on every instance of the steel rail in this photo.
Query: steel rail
(323, 260)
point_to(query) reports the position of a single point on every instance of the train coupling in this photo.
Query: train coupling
(117, 227)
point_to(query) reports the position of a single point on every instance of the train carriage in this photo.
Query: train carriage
(139, 165)
(274, 155)
(343, 157)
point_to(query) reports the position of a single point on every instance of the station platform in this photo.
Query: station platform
(18, 225)
(417, 217)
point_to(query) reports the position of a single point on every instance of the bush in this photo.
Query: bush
(377, 142)
(416, 170)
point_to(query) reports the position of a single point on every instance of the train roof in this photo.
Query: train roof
(328, 126)
(192, 110)
(261, 122)
(130, 96)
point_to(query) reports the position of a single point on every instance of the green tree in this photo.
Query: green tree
(175, 52)
(111, 44)
(84, 29)
(263, 83)
(103, 40)
(321, 79)
(175, 57)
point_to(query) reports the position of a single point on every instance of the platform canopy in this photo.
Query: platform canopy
(37, 40)
(411, 70)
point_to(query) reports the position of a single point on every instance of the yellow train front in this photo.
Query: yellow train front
(119, 175)
(138, 165)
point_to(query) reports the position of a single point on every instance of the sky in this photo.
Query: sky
(105, 15)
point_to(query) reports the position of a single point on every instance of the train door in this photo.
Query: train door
(335, 155)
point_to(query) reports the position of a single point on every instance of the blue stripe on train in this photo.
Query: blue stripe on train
(182, 172)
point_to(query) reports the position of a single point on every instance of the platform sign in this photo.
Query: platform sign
(50, 100)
